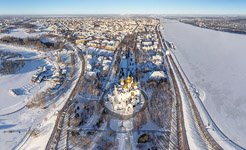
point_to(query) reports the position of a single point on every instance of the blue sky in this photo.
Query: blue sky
(122, 7)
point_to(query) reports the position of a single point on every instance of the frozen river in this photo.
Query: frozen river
(214, 62)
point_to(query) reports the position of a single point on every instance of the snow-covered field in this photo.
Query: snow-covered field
(20, 80)
(15, 118)
(21, 33)
(215, 63)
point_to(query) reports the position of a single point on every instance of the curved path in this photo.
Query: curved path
(57, 130)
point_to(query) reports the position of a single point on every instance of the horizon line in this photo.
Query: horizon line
(171, 14)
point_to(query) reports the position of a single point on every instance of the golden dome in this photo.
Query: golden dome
(132, 94)
(135, 84)
(128, 79)
(121, 80)
(124, 86)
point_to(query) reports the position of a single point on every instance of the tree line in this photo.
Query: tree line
(34, 42)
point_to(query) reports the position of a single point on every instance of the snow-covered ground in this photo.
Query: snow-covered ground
(16, 127)
(21, 33)
(47, 123)
(15, 118)
(215, 63)
(20, 80)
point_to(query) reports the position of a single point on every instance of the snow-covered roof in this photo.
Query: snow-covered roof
(106, 62)
(91, 74)
(88, 66)
(156, 57)
(157, 75)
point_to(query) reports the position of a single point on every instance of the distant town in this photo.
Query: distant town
(226, 23)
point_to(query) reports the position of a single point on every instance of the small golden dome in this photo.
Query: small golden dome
(135, 84)
(121, 80)
(124, 86)
(128, 80)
